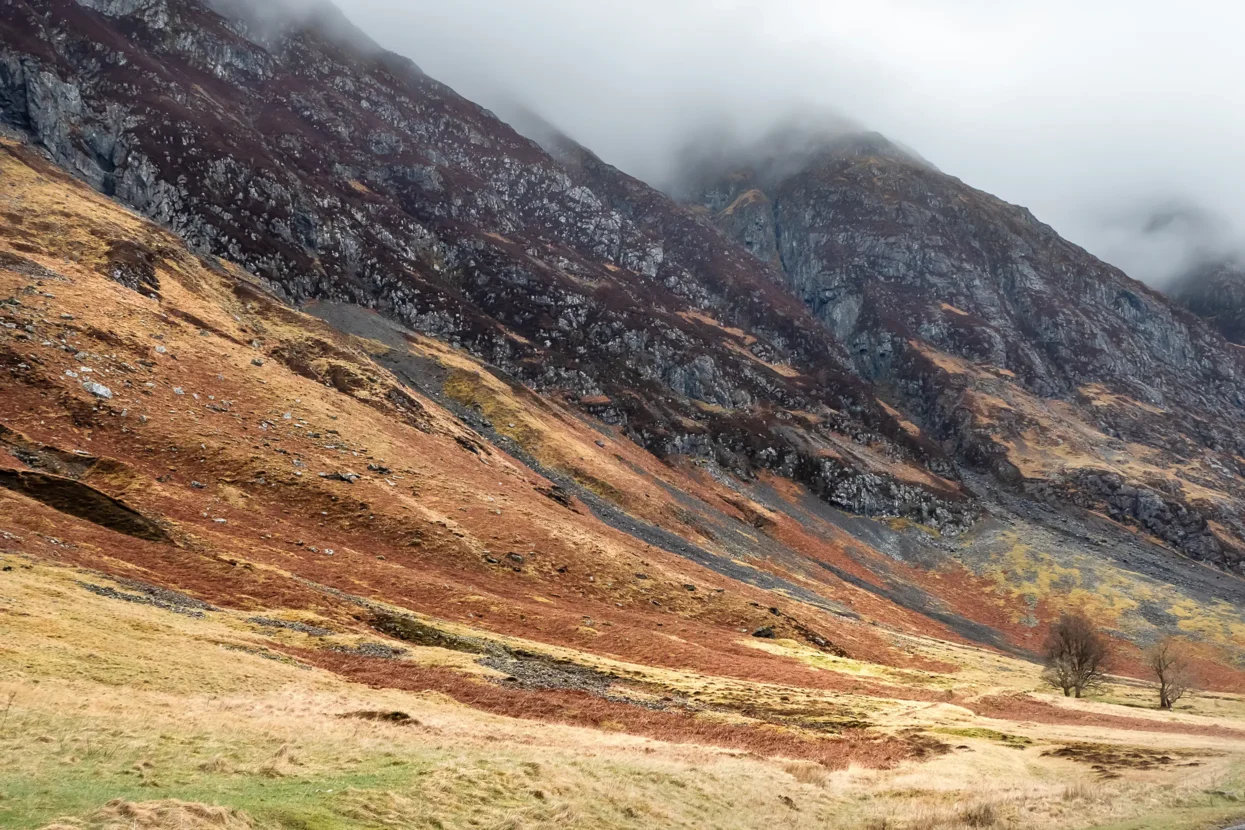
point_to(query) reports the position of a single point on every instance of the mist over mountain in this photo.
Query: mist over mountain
(1054, 107)
(1169, 242)
(1215, 290)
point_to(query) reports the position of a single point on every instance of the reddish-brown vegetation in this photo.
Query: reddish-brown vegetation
(583, 709)
(1023, 707)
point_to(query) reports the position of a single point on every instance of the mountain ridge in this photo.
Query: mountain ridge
(438, 197)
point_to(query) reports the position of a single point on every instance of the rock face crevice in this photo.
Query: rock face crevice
(1165, 515)
(876, 242)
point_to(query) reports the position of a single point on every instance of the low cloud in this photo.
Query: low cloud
(1100, 115)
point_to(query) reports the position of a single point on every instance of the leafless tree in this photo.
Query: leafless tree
(1076, 655)
(1169, 660)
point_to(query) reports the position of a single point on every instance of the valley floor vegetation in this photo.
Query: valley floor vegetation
(122, 715)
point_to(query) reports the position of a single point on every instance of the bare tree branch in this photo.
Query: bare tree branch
(1076, 655)
(1169, 660)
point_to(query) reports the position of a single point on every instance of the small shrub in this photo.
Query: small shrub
(1080, 791)
(814, 774)
(929, 821)
(980, 815)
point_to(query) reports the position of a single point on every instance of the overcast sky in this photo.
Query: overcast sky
(1094, 113)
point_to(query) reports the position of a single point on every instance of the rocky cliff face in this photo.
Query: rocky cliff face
(335, 171)
(1216, 293)
(974, 316)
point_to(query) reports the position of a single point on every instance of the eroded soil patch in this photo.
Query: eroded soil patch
(1022, 707)
(1109, 761)
(151, 595)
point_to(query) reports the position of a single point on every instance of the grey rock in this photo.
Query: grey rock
(97, 389)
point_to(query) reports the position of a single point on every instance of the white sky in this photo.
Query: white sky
(1091, 112)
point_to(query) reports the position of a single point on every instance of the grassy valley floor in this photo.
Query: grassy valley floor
(119, 714)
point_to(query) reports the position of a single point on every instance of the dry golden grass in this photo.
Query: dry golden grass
(120, 701)
(157, 815)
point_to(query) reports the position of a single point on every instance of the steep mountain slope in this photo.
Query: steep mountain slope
(1216, 293)
(341, 174)
(345, 175)
(1030, 358)
(214, 441)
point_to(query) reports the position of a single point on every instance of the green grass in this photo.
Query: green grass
(1224, 814)
(309, 801)
(1014, 741)
(1203, 811)
(75, 764)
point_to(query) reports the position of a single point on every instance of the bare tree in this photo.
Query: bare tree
(1076, 655)
(1169, 660)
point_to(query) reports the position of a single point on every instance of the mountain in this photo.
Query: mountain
(366, 463)
(904, 332)
(1216, 293)
(1021, 353)
(351, 176)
